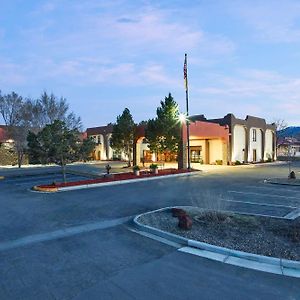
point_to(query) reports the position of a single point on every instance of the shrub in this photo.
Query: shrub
(135, 168)
(153, 166)
(108, 168)
(219, 162)
(237, 163)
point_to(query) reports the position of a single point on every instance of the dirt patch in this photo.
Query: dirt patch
(259, 235)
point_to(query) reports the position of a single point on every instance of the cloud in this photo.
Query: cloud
(126, 20)
(11, 74)
(272, 21)
(253, 91)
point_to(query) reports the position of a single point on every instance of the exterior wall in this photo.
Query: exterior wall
(239, 143)
(260, 145)
(212, 138)
(269, 142)
(99, 151)
(202, 144)
(109, 151)
(215, 151)
(143, 147)
(206, 130)
(255, 145)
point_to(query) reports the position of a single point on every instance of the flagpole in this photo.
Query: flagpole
(187, 112)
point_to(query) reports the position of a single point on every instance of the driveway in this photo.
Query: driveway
(81, 244)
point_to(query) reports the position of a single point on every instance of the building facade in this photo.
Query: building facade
(226, 140)
(250, 140)
(288, 147)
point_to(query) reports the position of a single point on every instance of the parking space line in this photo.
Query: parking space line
(273, 187)
(262, 194)
(260, 204)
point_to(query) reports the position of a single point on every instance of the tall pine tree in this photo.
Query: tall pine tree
(163, 132)
(122, 138)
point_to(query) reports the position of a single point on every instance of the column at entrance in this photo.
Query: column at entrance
(206, 160)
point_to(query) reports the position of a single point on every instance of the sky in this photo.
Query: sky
(103, 56)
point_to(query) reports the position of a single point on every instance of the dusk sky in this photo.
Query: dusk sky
(103, 56)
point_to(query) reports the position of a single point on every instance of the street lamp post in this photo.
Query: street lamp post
(187, 111)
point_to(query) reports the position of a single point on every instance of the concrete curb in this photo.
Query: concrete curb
(271, 181)
(284, 266)
(119, 182)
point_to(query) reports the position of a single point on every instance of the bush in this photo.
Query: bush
(153, 166)
(219, 162)
(237, 163)
(135, 168)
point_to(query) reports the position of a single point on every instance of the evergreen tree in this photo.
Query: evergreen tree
(123, 133)
(163, 132)
(58, 144)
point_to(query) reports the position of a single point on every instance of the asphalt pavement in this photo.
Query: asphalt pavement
(80, 244)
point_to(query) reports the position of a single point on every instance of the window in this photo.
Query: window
(254, 135)
(98, 139)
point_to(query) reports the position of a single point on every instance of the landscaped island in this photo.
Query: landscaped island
(255, 234)
(55, 186)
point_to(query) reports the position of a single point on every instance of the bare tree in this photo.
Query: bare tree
(280, 125)
(51, 108)
(10, 107)
(11, 110)
(21, 115)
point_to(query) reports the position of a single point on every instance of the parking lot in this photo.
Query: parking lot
(80, 244)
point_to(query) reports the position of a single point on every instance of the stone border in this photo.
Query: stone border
(273, 181)
(284, 266)
(117, 182)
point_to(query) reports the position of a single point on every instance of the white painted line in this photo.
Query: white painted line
(260, 204)
(61, 233)
(261, 194)
(293, 214)
(269, 187)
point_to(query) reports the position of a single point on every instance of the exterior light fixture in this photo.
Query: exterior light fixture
(182, 118)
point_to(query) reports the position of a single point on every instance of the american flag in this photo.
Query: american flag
(185, 72)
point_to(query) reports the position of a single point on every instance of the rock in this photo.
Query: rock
(185, 222)
(292, 175)
(177, 212)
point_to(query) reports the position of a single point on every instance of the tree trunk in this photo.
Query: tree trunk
(129, 157)
(20, 158)
(64, 173)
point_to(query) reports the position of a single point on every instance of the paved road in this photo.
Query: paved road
(80, 244)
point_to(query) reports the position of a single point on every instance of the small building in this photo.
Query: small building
(289, 147)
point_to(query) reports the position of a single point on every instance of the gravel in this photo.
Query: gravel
(260, 235)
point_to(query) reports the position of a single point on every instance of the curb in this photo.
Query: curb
(118, 182)
(287, 267)
(270, 181)
(43, 189)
